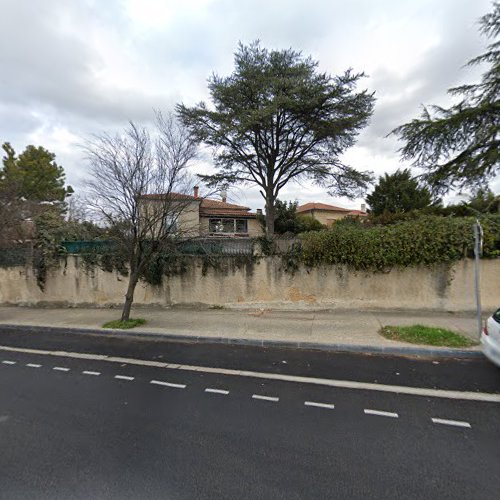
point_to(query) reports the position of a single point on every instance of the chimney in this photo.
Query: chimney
(223, 195)
(195, 189)
(363, 207)
(259, 211)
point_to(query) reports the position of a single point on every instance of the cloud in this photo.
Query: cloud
(73, 68)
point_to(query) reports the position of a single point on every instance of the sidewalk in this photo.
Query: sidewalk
(343, 330)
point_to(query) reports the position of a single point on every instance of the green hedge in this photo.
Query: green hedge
(424, 241)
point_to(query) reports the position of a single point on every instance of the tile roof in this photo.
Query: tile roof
(208, 207)
(358, 212)
(207, 203)
(320, 206)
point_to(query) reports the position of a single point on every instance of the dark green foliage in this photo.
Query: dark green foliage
(393, 218)
(459, 146)
(484, 201)
(398, 193)
(288, 221)
(308, 223)
(424, 241)
(35, 175)
(277, 119)
(286, 217)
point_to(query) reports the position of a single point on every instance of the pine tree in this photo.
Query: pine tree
(277, 119)
(459, 146)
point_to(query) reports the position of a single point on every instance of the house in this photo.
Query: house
(198, 216)
(328, 214)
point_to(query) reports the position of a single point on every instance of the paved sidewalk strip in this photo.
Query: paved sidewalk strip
(343, 330)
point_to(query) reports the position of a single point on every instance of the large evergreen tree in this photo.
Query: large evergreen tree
(459, 146)
(34, 175)
(398, 193)
(278, 119)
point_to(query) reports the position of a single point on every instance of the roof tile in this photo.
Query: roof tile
(320, 206)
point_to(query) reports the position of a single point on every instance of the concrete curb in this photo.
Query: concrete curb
(430, 352)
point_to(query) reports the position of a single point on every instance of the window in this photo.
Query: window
(241, 226)
(170, 224)
(228, 226)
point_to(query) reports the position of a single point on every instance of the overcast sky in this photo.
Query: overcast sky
(72, 68)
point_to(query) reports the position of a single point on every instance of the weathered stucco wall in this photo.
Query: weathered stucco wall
(328, 217)
(265, 283)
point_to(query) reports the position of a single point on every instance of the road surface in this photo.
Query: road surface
(181, 421)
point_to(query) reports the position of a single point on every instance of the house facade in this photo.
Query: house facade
(198, 216)
(328, 214)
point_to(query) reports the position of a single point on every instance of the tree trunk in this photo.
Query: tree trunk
(129, 296)
(270, 215)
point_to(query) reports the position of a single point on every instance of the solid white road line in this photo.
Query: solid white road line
(381, 413)
(168, 384)
(265, 398)
(343, 384)
(216, 391)
(33, 365)
(7, 362)
(61, 369)
(456, 423)
(319, 405)
(123, 377)
(91, 373)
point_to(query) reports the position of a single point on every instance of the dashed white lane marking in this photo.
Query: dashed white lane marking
(381, 413)
(123, 377)
(319, 405)
(344, 384)
(91, 373)
(33, 365)
(265, 398)
(168, 384)
(216, 391)
(7, 362)
(60, 369)
(456, 423)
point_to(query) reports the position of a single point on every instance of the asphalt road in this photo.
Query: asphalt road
(85, 428)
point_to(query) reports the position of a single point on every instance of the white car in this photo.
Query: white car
(490, 338)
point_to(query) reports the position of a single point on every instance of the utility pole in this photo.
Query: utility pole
(478, 250)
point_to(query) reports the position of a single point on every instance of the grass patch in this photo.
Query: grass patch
(124, 325)
(428, 335)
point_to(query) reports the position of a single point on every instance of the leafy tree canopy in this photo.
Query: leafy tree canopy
(289, 221)
(398, 193)
(459, 146)
(34, 175)
(278, 119)
(484, 201)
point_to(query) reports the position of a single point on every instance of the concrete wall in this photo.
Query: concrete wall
(263, 283)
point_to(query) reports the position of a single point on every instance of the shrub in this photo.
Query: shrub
(423, 241)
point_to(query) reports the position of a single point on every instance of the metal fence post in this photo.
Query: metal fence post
(478, 248)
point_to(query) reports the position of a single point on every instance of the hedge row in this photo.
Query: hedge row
(425, 241)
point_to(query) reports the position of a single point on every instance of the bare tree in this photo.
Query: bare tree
(137, 187)
(76, 209)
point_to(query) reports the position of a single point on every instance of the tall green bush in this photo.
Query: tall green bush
(423, 241)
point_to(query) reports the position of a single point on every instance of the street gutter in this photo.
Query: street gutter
(429, 352)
